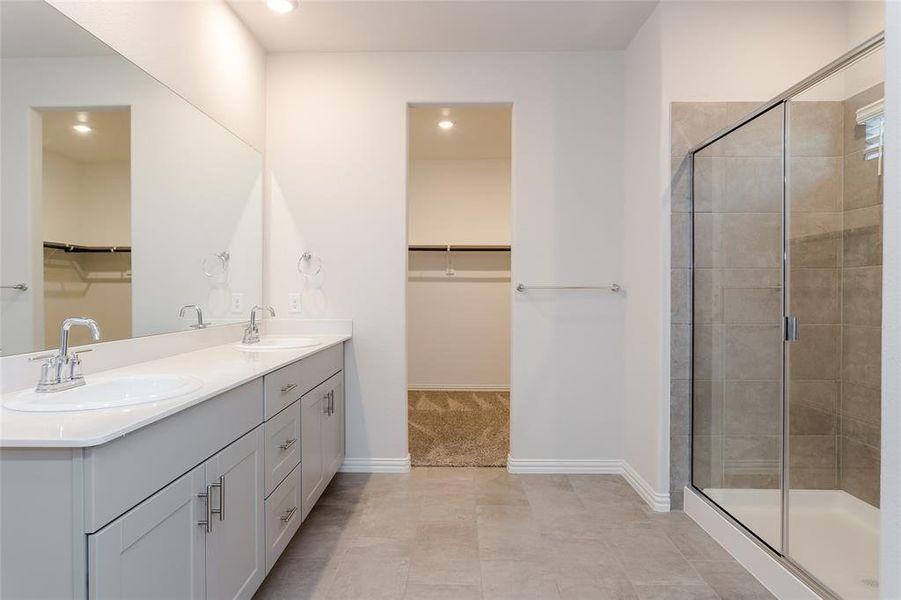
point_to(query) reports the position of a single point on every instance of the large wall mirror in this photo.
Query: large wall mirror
(121, 201)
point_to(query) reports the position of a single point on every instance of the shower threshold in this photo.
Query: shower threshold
(832, 535)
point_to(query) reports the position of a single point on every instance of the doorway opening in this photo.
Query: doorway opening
(458, 284)
(85, 209)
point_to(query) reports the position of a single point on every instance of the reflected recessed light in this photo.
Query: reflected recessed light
(282, 6)
(82, 128)
(445, 124)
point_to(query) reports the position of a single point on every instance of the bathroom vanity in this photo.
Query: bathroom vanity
(192, 497)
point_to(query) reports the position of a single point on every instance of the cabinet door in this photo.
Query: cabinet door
(312, 407)
(155, 550)
(235, 544)
(333, 429)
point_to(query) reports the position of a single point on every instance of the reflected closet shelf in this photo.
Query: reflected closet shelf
(458, 248)
(78, 248)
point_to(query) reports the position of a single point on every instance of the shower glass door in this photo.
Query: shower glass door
(834, 294)
(737, 345)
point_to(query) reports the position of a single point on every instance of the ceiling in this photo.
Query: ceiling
(446, 25)
(479, 132)
(109, 140)
(31, 29)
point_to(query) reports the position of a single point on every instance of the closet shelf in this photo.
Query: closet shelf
(458, 248)
(78, 248)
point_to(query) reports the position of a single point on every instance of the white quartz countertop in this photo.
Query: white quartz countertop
(220, 368)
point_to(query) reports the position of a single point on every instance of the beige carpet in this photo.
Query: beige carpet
(459, 429)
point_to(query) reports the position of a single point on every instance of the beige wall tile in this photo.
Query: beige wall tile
(752, 408)
(760, 137)
(762, 306)
(861, 184)
(860, 470)
(815, 184)
(709, 343)
(816, 240)
(680, 184)
(865, 433)
(753, 352)
(707, 456)
(708, 407)
(817, 353)
(805, 419)
(751, 185)
(861, 402)
(708, 296)
(862, 296)
(815, 128)
(861, 355)
(709, 183)
(805, 478)
(693, 122)
(815, 295)
(680, 295)
(752, 240)
(680, 351)
(813, 451)
(820, 394)
(680, 241)
(862, 241)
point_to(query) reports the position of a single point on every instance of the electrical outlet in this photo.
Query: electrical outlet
(294, 303)
(237, 303)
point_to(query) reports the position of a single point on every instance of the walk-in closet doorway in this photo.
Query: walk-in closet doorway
(458, 284)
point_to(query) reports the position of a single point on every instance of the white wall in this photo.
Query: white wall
(890, 506)
(199, 48)
(697, 51)
(458, 327)
(336, 146)
(459, 202)
(208, 181)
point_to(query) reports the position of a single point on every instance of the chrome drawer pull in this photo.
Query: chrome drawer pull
(288, 388)
(208, 523)
(288, 444)
(209, 490)
(289, 514)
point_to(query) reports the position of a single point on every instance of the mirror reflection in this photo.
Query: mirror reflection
(121, 201)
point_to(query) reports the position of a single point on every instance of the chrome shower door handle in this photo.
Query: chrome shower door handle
(791, 328)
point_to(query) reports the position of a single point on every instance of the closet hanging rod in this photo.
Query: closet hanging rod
(613, 287)
(78, 248)
(458, 248)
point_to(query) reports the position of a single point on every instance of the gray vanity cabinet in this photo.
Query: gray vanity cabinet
(155, 550)
(322, 437)
(164, 548)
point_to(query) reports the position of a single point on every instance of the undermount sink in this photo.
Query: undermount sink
(105, 393)
(280, 343)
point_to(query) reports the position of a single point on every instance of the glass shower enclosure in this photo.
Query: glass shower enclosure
(786, 324)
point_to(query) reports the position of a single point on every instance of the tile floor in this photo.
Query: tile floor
(481, 533)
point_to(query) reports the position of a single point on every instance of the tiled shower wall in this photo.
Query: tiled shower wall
(835, 288)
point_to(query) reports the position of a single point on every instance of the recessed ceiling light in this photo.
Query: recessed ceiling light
(82, 128)
(445, 124)
(282, 6)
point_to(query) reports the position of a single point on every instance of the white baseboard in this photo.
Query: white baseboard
(658, 502)
(775, 577)
(376, 465)
(459, 387)
(609, 467)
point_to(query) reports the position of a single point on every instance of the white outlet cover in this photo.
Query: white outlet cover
(237, 303)
(294, 303)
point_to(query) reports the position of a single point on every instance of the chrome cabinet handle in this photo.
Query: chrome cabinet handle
(208, 523)
(288, 443)
(288, 388)
(289, 514)
(209, 490)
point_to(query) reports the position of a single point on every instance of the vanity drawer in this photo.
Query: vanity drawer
(282, 516)
(121, 473)
(282, 445)
(283, 387)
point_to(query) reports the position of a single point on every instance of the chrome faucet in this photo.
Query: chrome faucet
(62, 371)
(252, 331)
(199, 324)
